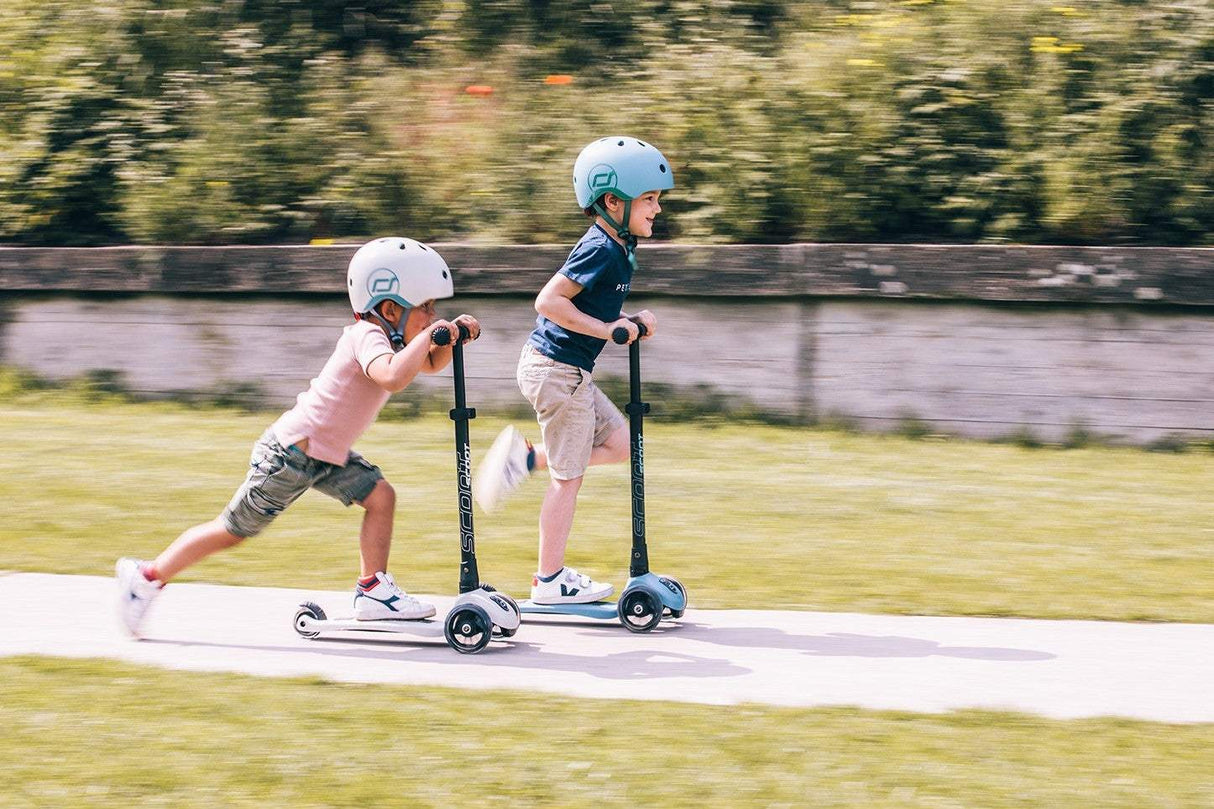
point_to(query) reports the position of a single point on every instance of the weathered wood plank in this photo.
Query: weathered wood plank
(1049, 274)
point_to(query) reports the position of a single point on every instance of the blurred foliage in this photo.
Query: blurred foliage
(226, 121)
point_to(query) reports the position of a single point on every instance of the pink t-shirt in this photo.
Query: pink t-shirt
(342, 401)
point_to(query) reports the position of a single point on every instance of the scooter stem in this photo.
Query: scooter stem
(636, 410)
(461, 414)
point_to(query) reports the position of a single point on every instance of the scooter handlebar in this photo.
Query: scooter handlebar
(619, 335)
(442, 335)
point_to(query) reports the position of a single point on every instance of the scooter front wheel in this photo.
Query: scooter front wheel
(468, 629)
(639, 610)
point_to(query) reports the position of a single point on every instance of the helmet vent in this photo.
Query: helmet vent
(402, 245)
(444, 273)
(662, 167)
(422, 246)
(621, 143)
(643, 143)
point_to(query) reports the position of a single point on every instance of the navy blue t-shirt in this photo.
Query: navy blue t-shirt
(599, 264)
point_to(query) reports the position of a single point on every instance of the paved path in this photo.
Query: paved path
(1054, 668)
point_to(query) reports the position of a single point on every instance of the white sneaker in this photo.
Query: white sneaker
(387, 602)
(570, 587)
(503, 470)
(135, 593)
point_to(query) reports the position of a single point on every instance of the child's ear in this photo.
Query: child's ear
(387, 310)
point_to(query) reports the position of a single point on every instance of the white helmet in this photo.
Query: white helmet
(396, 269)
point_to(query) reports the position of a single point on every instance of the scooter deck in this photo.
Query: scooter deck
(602, 610)
(421, 627)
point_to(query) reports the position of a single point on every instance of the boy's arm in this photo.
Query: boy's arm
(440, 356)
(394, 372)
(555, 302)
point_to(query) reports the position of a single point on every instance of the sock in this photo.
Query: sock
(546, 579)
(368, 582)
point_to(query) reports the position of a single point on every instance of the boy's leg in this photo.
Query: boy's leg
(554, 582)
(614, 450)
(360, 481)
(194, 545)
(375, 537)
(139, 582)
(376, 596)
(556, 520)
(276, 478)
(512, 458)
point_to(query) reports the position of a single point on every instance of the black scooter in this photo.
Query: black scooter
(479, 610)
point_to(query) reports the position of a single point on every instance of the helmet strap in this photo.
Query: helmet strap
(621, 230)
(395, 335)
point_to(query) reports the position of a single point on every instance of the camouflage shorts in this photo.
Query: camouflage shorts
(277, 477)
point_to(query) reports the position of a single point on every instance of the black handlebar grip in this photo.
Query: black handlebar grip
(442, 335)
(619, 334)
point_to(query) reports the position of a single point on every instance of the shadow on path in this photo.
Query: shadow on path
(636, 665)
(846, 644)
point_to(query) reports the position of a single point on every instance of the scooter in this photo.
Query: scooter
(647, 597)
(479, 611)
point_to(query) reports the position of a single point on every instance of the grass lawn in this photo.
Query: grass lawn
(90, 733)
(747, 515)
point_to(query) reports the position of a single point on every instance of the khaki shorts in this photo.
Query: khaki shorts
(574, 415)
(277, 477)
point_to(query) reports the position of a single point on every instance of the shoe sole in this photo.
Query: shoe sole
(556, 602)
(124, 573)
(394, 617)
(489, 495)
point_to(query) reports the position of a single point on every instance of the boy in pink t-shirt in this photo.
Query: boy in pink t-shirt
(392, 284)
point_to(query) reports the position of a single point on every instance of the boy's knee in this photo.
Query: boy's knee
(570, 485)
(382, 497)
(618, 445)
(231, 540)
(229, 531)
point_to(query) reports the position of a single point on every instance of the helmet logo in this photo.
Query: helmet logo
(602, 177)
(383, 282)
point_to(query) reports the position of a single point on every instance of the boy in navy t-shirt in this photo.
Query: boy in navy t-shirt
(618, 181)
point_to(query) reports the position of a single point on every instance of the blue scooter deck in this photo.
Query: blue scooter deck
(602, 610)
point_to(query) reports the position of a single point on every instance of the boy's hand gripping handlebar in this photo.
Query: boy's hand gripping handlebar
(442, 335)
(619, 334)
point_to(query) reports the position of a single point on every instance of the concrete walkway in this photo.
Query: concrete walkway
(1061, 669)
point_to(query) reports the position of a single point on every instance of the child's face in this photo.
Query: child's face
(420, 317)
(644, 209)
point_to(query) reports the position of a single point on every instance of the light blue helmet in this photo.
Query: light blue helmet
(623, 166)
(620, 165)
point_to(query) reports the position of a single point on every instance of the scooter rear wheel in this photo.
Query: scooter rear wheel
(308, 609)
(639, 610)
(683, 592)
